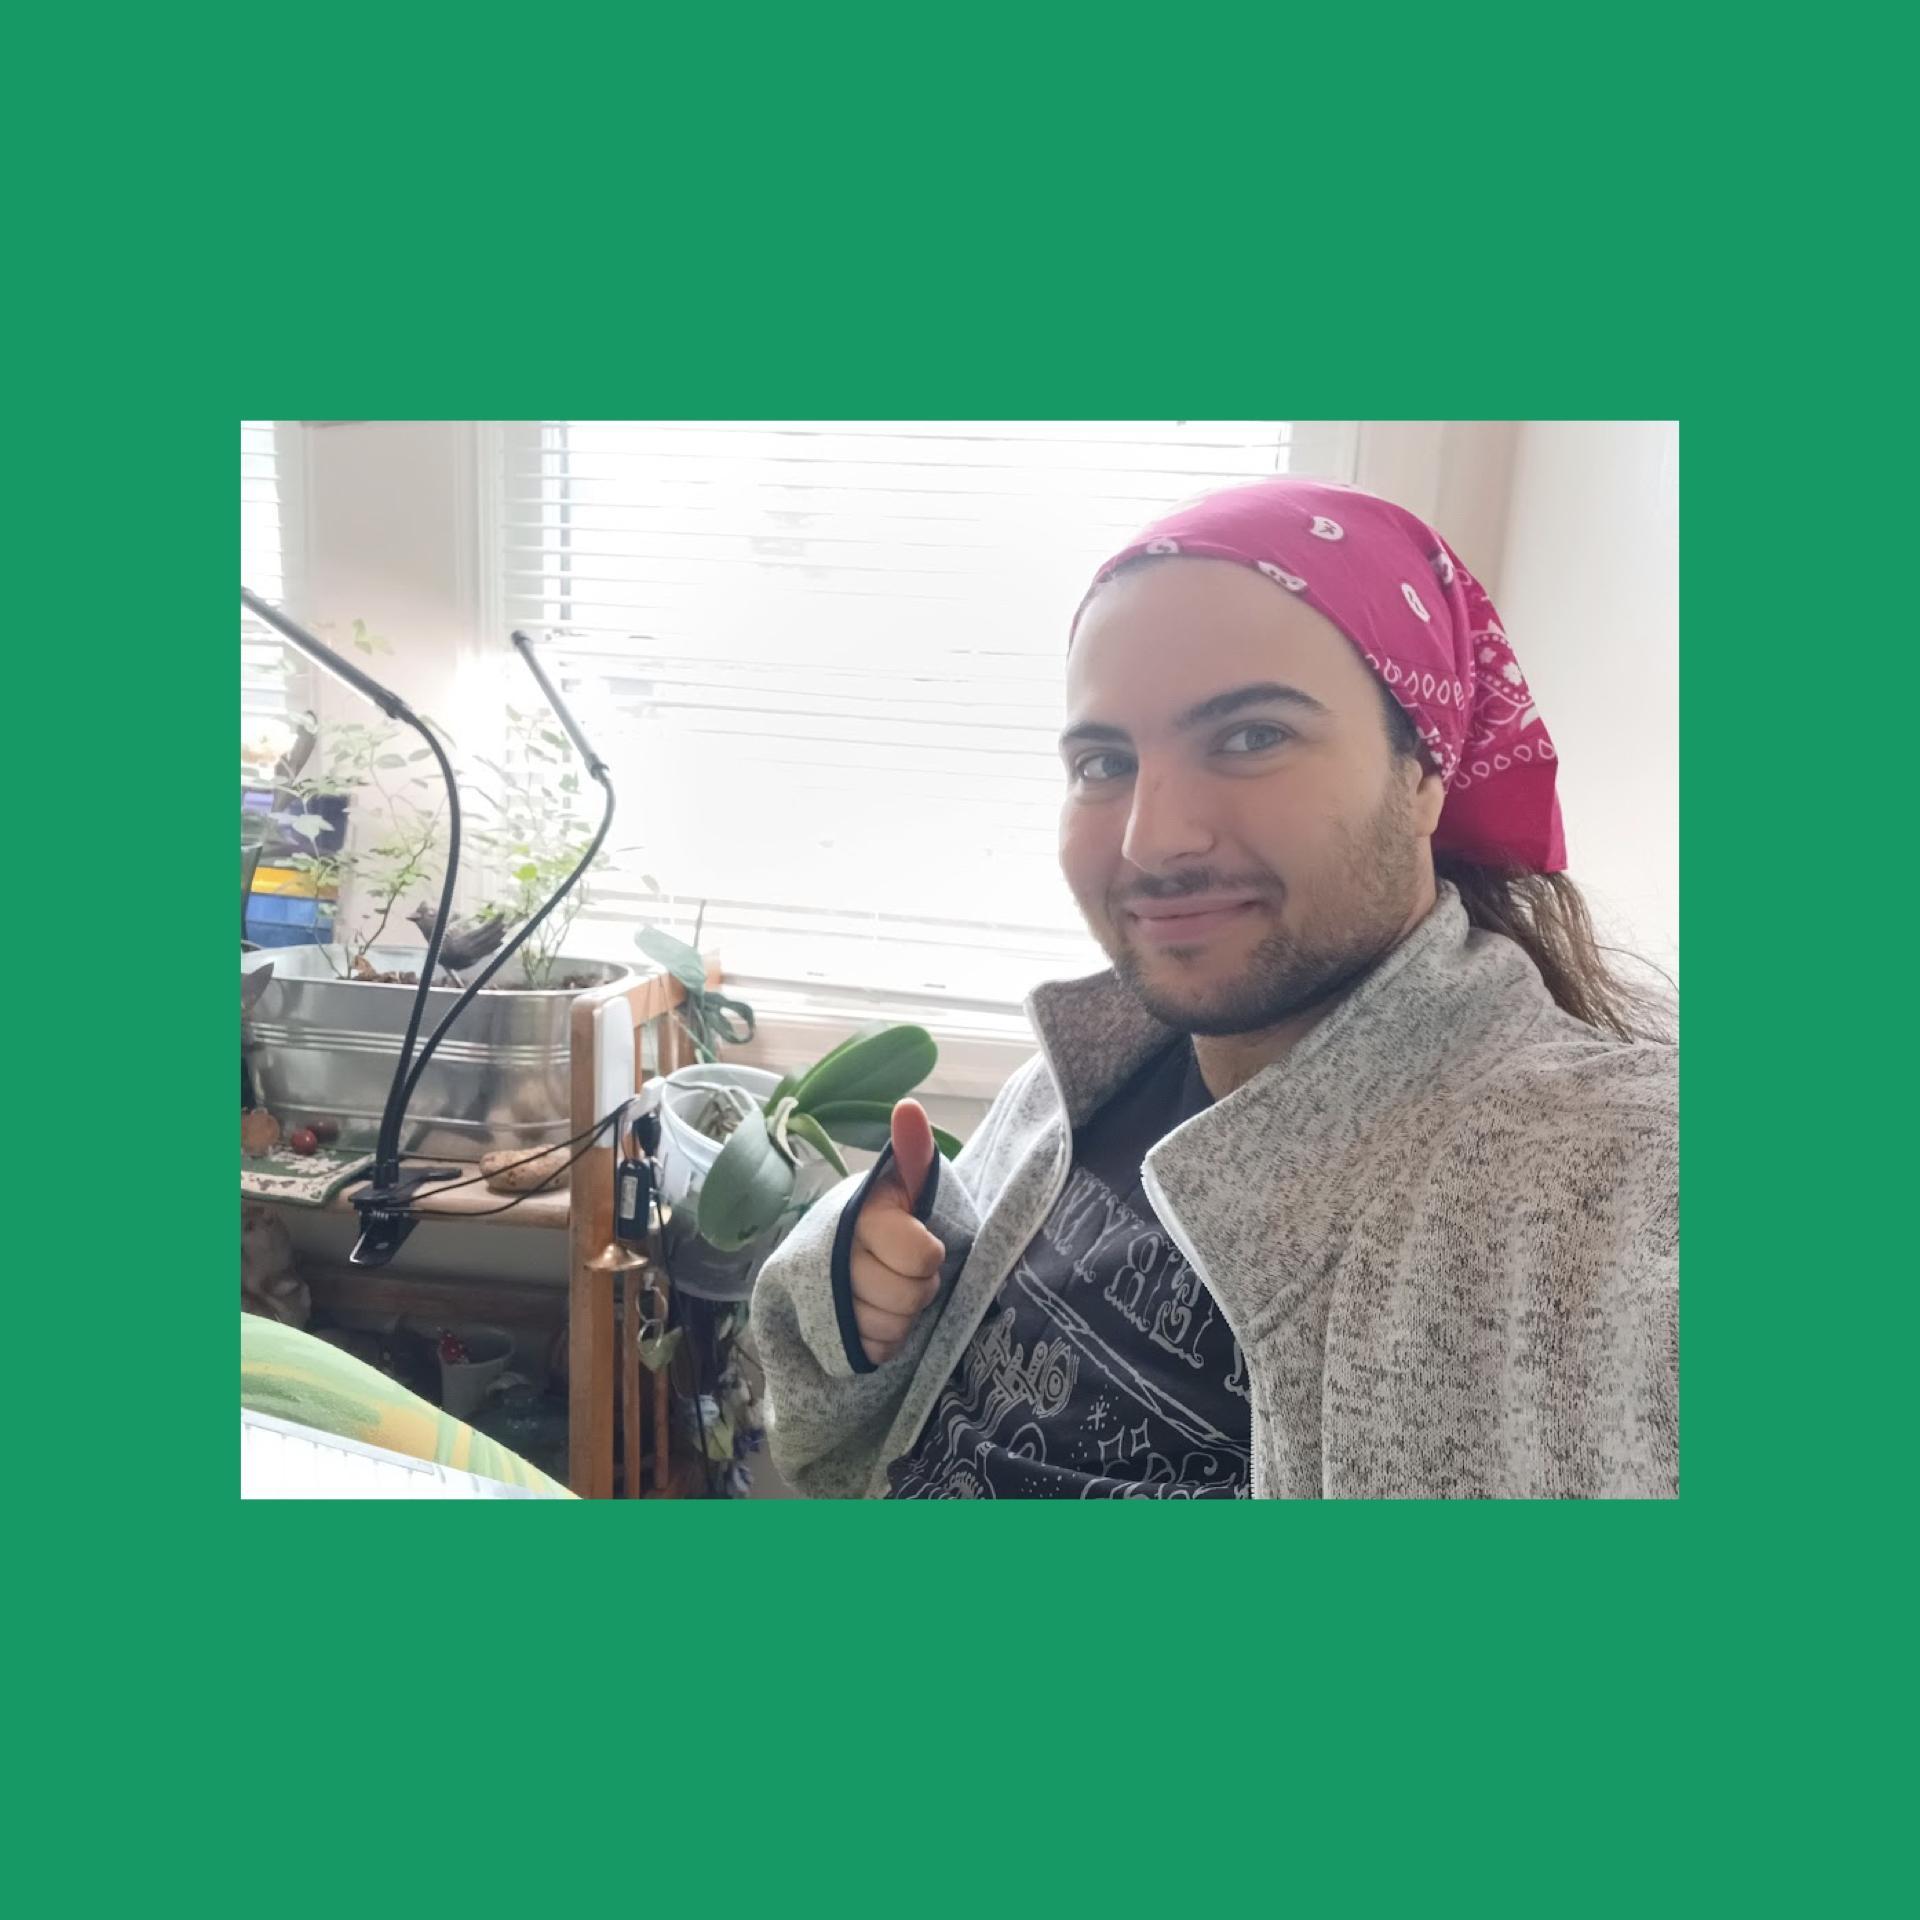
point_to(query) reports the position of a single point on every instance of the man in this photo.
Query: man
(1357, 1174)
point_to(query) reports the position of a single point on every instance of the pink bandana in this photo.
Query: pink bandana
(1421, 622)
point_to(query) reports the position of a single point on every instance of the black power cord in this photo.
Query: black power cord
(520, 1199)
(589, 1135)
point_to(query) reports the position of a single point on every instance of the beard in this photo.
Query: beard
(1343, 924)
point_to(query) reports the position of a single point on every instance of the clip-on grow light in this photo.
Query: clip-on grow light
(385, 1203)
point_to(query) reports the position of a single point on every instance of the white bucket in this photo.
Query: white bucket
(686, 1158)
(686, 1154)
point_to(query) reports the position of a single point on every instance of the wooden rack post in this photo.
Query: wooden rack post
(593, 1356)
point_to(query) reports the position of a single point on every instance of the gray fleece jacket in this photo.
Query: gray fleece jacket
(1444, 1230)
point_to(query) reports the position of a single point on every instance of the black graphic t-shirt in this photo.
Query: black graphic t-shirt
(1103, 1370)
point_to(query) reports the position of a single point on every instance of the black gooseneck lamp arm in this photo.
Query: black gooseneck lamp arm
(597, 769)
(382, 1204)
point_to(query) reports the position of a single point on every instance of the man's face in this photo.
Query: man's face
(1237, 830)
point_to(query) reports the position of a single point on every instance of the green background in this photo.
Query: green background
(1555, 1709)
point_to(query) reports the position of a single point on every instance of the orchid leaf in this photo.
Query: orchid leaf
(746, 1190)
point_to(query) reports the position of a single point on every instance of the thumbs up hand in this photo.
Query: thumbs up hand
(895, 1264)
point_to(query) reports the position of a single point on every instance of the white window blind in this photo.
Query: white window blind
(825, 661)
(266, 694)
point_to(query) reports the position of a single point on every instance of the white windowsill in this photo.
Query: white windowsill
(981, 1043)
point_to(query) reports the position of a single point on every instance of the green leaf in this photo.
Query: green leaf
(881, 1066)
(815, 1135)
(852, 1040)
(676, 956)
(526, 875)
(868, 1125)
(655, 1353)
(732, 1020)
(746, 1191)
(391, 760)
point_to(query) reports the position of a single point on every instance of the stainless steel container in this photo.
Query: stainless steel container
(323, 1048)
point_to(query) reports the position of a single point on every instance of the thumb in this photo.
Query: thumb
(913, 1147)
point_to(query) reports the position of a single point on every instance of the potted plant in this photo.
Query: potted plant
(361, 822)
(747, 1151)
(845, 1099)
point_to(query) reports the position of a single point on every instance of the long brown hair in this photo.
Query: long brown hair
(1546, 916)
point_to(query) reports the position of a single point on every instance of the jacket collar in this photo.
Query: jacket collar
(1445, 1000)
(1262, 1191)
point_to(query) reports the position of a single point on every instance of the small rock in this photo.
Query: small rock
(518, 1170)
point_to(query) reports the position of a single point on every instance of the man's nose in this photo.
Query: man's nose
(1168, 823)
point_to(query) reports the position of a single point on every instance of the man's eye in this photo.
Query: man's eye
(1255, 737)
(1095, 769)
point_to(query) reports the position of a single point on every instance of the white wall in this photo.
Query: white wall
(1588, 588)
(1456, 474)
(391, 514)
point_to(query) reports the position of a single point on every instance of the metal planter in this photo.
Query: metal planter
(323, 1048)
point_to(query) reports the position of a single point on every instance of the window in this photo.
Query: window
(824, 661)
(271, 688)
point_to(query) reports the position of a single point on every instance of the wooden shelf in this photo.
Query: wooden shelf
(599, 1367)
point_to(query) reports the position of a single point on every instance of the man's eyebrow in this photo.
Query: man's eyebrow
(1261, 693)
(1093, 730)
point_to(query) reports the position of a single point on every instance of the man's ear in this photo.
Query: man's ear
(1428, 798)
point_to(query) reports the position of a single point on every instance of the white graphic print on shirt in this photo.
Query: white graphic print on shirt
(1103, 1371)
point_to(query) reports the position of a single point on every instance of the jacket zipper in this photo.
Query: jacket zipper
(1150, 1182)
